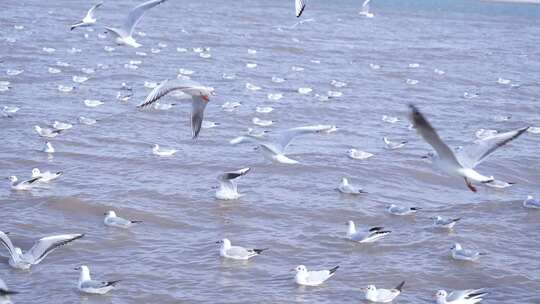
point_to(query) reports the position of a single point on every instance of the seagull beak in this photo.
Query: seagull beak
(206, 98)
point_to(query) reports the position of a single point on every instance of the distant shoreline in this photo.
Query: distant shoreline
(515, 1)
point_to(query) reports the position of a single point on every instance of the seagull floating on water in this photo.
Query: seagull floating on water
(469, 296)
(356, 154)
(42, 248)
(458, 253)
(372, 235)
(124, 35)
(46, 132)
(157, 150)
(237, 252)
(200, 96)
(393, 145)
(532, 203)
(381, 295)
(24, 184)
(112, 220)
(89, 19)
(227, 186)
(444, 222)
(347, 188)
(462, 162)
(400, 210)
(61, 125)
(275, 150)
(312, 278)
(46, 176)
(87, 285)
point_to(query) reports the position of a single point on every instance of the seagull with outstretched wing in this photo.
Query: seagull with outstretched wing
(89, 19)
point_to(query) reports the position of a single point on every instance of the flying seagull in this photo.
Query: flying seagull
(200, 97)
(275, 151)
(227, 186)
(365, 10)
(462, 162)
(299, 6)
(89, 19)
(124, 35)
(44, 246)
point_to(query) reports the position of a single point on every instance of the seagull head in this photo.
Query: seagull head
(225, 243)
(300, 268)
(369, 288)
(35, 172)
(13, 179)
(441, 294)
(110, 213)
(456, 246)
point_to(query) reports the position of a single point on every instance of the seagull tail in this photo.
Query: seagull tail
(400, 286)
(333, 270)
(7, 292)
(136, 222)
(259, 251)
(416, 208)
(112, 283)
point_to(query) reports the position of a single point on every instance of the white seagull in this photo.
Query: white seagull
(365, 9)
(356, 154)
(347, 188)
(24, 184)
(237, 252)
(112, 220)
(87, 285)
(393, 145)
(5, 292)
(382, 295)
(312, 278)
(46, 176)
(124, 35)
(444, 222)
(469, 296)
(299, 6)
(46, 132)
(532, 203)
(458, 253)
(58, 125)
(275, 150)
(44, 246)
(89, 19)
(401, 210)
(228, 189)
(48, 148)
(462, 162)
(157, 150)
(372, 235)
(200, 96)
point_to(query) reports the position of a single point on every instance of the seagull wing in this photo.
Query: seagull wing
(365, 5)
(198, 105)
(136, 14)
(287, 136)
(429, 134)
(319, 276)
(97, 284)
(299, 6)
(474, 154)
(165, 88)
(4, 240)
(234, 174)
(457, 295)
(48, 244)
(92, 11)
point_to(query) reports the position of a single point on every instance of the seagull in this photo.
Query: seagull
(275, 151)
(62, 125)
(356, 154)
(46, 132)
(227, 186)
(87, 285)
(22, 185)
(469, 296)
(365, 10)
(157, 150)
(200, 97)
(114, 221)
(462, 162)
(38, 252)
(372, 235)
(443, 222)
(347, 188)
(48, 148)
(458, 253)
(89, 19)
(532, 203)
(392, 145)
(400, 210)
(262, 122)
(237, 252)
(4, 291)
(250, 133)
(382, 295)
(312, 278)
(46, 176)
(299, 6)
(124, 35)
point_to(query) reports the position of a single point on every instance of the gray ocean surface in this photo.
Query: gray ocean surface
(292, 209)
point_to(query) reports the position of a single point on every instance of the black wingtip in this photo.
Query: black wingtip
(416, 208)
(456, 219)
(112, 283)
(333, 270)
(400, 286)
(376, 229)
(7, 292)
(259, 251)
(136, 222)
